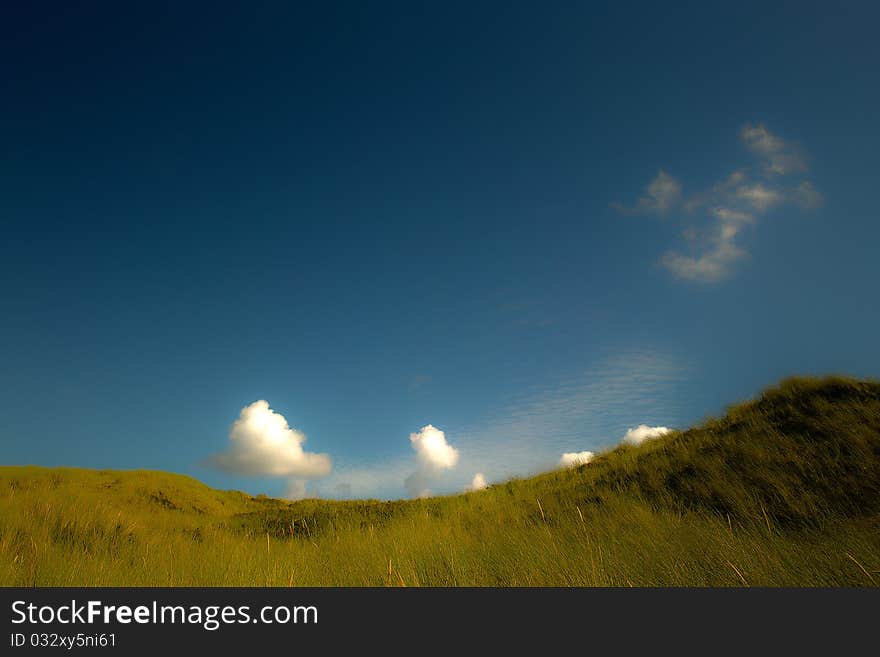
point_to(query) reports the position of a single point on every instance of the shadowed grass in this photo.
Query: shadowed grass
(782, 490)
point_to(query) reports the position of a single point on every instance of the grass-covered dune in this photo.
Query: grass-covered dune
(782, 490)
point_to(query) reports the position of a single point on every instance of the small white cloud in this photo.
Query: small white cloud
(434, 455)
(572, 459)
(261, 444)
(477, 483)
(661, 195)
(642, 433)
(780, 157)
(760, 197)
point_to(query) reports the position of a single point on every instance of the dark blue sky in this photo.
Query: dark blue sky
(377, 217)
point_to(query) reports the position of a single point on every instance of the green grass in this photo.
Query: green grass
(783, 490)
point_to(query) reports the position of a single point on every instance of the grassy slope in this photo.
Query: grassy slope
(783, 490)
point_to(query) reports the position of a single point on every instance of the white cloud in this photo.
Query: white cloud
(710, 267)
(759, 197)
(262, 444)
(432, 449)
(716, 262)
(736, 200)
(572, 459)
(434, 455)
(477, 483)
(661, 195)
(780, 158)
(643, 432)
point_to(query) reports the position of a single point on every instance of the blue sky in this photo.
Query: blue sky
(532, 228)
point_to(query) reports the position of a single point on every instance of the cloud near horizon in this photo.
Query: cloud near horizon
(573, 459)
(477, 483)
(635, 436)
(641, 433)
(296, 490)
(434, 455)
(731, 204)
(262, 444)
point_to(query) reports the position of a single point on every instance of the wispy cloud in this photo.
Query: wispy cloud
(589, 411)
(661, 195)
(737, 200)
(382, 478)
(806, 196)
(758, 197)
(780, 157)
(714, 263)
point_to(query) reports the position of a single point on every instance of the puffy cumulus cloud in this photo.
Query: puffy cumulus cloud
(643, 432)
(432, 449)
(661, 195)
(573, 459)
(262, 444)
(477, 483)
(780, 157)
(434, 455)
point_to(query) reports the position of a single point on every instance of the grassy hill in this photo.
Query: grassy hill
(782, 490)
